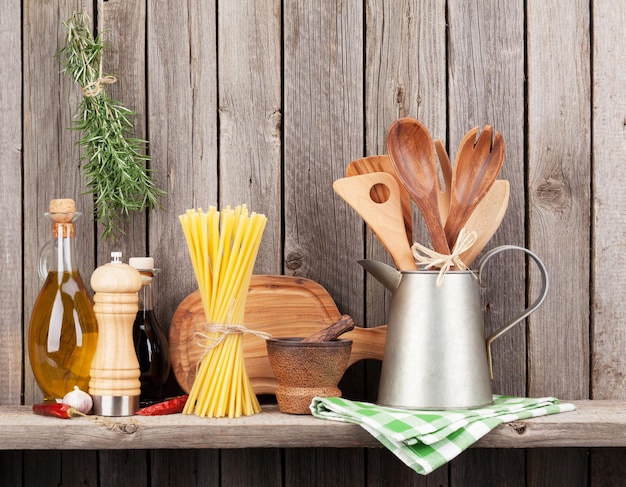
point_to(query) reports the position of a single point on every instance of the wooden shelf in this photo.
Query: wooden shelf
(594, 424)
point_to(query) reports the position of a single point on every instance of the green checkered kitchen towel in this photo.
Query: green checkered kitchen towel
(425, 440)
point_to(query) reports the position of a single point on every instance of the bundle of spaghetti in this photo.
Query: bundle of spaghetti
(223, 246)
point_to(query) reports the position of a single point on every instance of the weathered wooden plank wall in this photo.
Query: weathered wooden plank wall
(266, 102)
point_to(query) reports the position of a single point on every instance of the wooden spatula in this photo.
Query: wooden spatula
(384, 219)
(367, 165)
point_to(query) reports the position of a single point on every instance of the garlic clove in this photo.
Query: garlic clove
(79, 400)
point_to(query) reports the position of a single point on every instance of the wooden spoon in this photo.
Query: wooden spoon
(486, 219)
(372, 164)
(385, 218)
(413, 156)
(476, 167)
(446, 172)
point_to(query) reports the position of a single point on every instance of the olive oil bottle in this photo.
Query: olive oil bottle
(63, 330)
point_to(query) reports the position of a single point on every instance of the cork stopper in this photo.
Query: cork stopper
(62, 213)
(62, 210)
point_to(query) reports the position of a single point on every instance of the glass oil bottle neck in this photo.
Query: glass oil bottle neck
(145, 294)
(62, 258)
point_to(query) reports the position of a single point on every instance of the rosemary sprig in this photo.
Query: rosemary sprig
(113, 160)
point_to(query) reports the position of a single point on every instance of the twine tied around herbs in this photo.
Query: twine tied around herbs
(430, 258)
(96, 87)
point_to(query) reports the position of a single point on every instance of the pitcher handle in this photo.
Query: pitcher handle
(524, 314)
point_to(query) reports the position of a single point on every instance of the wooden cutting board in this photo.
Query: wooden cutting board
(283, 306)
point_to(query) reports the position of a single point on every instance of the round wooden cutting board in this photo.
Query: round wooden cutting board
(283, 306)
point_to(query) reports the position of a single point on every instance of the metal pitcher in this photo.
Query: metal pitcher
(436, 355)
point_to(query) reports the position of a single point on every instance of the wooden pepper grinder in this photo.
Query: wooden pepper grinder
(114, 383)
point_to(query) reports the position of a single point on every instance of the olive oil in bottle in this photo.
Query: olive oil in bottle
(63, 329)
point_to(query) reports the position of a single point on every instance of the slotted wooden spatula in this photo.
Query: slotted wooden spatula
(385, 218)
(367, 165)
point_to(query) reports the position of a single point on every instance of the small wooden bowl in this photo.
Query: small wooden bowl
(306, 370)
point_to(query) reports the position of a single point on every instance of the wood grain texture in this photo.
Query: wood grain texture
(486, 86)
(182, 108)
(51, 170)
(250, 132)
(123, 467)
(608, 222)
(405, 74)
(315, 467)
(486, 83)
(183, 127)
(609, 201)
(342, 75)
(124, 31)
(250, 118)
(50, 157)
(123, 26)
(184, 468)
(11, 320)
(323, 132)
(559, 157)
(559, 187)
(595, 424)
(11, 468)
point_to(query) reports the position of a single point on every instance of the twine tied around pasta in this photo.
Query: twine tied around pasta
(430, 258)
(224, 330)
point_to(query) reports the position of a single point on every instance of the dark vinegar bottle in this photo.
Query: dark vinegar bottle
(149, 339)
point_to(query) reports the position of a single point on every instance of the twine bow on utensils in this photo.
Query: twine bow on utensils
(430, 259)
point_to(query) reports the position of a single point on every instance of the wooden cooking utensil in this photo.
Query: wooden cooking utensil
(486, 218)
(446, 172)
(283, 306)
(477, 165)
(413, 157)
(332, 332)
(385, 218)
(367, 165)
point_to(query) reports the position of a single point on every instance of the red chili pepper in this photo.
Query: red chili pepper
(170, 406)
(63, 411)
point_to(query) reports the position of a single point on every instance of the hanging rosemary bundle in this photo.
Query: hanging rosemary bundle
(113, 160)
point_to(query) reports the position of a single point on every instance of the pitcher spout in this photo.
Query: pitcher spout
(385, 274)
